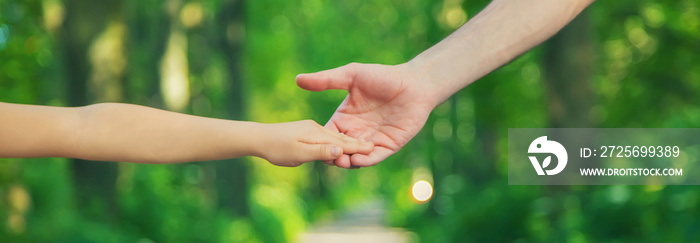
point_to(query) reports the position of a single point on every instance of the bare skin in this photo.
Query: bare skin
(388, 105)
(131, 133)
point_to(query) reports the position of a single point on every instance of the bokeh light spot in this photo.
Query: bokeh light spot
(442, 130)
(191, 14)
(422, 191)
(654, 15)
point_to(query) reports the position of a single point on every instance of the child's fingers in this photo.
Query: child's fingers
(350, 145)
(353, 146)
(324, 152)
(343, 135)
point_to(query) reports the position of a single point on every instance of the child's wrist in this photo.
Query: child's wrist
(257, 138)
(245, 138)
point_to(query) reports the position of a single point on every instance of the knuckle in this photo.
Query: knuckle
(309, 125)
(322, 151)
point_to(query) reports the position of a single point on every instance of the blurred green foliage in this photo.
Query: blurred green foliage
(241, 60)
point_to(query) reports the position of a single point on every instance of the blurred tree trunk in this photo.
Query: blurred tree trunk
(568, 64)
(94, 181)
(147, 39)
(231, 179)
(568, 68)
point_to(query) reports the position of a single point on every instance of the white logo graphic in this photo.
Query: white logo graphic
(541, 146)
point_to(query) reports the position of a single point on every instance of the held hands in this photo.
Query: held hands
(386, 105)
(294, 143)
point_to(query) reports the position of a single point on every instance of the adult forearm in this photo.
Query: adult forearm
(499, 33)
(120, 132)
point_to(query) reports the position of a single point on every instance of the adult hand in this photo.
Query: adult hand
(386, 105)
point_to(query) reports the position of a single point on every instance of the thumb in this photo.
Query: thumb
(337, 78)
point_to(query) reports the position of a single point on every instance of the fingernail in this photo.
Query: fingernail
(335, 151)
(363, 140)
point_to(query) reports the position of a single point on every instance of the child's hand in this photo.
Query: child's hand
(294, 143)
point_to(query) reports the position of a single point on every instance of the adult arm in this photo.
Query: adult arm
(388, 105)
(502, 31)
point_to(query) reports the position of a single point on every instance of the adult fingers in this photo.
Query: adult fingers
(337, 78)
(377, 155)
(343, 161)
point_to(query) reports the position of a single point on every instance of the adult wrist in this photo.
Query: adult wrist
(428, 85)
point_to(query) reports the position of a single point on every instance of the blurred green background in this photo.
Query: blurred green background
(627, 63)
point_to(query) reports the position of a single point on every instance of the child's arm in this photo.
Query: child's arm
(131, 133)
